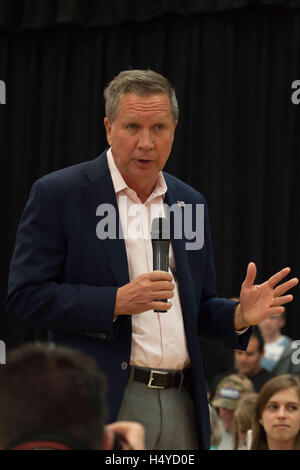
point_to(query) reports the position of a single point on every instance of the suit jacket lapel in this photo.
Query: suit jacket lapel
(98, 190)
(178, 244)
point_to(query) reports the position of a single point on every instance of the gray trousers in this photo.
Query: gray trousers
(169, 416)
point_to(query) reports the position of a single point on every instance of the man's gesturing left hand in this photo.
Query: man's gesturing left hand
(258, 302)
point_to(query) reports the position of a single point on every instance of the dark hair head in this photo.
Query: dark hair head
(48, 389)
(257, 334)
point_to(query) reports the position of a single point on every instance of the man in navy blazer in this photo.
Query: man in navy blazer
(65, 278)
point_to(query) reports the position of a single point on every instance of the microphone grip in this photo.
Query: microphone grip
(161, 255)
(161, 259)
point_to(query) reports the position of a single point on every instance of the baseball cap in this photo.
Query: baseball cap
(230, 389)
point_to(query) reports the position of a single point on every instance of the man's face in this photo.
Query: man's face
(271, 326)
(248, 362)
(141, 137)
(226, 416)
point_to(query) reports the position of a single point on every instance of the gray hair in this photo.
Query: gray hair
(140, 82)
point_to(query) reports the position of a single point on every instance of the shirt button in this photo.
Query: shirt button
(124, 365)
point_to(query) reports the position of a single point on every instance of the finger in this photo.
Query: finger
(160, 276)
(282, 288)
(157, 305)
(275, 311)
(282, 300)
(164, 294)
(162, 285)
(276, 278)
(250, 276)
(133, 432)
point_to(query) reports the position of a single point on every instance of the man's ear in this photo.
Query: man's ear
(107, 126)
(107, 440)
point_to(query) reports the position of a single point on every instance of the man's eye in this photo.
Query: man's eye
(131, 126)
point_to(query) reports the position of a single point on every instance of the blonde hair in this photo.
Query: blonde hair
(243, 416)
(281, 382)
(216, 428)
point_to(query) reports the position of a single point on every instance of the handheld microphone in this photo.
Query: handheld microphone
(160, 237)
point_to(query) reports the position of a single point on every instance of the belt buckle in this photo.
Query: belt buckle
(151, 378)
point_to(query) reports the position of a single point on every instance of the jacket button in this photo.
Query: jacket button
(102, 335)
(124, 365)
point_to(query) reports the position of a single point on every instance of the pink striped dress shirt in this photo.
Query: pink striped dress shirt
(158, 339)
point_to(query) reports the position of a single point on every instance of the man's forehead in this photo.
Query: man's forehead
(253, 345)
(131, 103)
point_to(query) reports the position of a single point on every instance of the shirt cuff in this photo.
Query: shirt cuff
(242, 330)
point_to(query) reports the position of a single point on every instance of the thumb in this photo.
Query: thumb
(250, 276)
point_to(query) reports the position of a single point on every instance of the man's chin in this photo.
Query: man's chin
(244, 372)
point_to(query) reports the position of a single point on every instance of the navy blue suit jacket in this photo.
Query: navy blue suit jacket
(64, 278)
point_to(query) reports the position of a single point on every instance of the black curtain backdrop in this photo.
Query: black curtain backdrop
(232, 64)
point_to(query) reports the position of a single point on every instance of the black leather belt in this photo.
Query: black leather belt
(159, 379)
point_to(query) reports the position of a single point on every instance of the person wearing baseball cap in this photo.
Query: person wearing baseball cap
(228, 393)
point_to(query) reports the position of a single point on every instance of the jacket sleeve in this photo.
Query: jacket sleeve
(36, 291)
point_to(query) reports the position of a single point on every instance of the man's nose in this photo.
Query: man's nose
(243, 361)
(145, 140)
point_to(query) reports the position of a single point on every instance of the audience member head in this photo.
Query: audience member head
(51, 393)
(248, 362)
(228, 393)
(271, 327)
(216, 428)
(243, 418)
(277, 415)
(139, 82)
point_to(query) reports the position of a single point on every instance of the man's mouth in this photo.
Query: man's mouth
(144, 161)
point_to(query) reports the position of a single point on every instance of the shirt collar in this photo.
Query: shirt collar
(119, 183)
